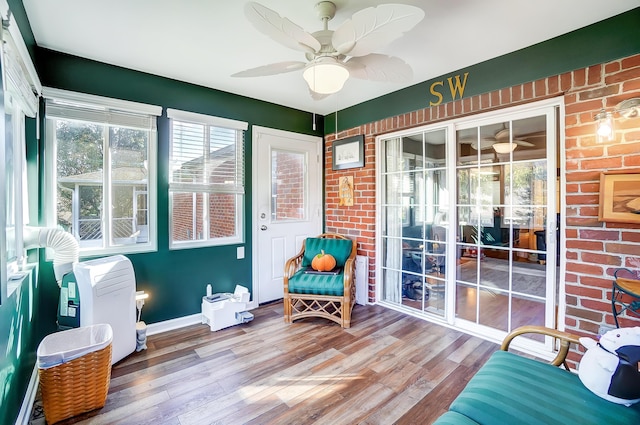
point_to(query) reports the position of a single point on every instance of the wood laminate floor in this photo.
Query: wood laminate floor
(388, 368)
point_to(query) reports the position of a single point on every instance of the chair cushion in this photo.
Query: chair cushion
(511, 389)
(315, 284)
(453, 418)
(339, 248)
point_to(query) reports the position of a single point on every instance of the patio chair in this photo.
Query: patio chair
(311, 294)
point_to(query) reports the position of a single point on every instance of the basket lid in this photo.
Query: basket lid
(62, 347)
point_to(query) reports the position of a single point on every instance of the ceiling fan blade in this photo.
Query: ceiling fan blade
(377, 67)
(374, 27)
(280, 29)
(503, 136)
(271, 69)
(523, 143)
(484, 144)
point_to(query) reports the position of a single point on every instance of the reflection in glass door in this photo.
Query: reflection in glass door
(505, 277)
(415, 220)
(465, 212)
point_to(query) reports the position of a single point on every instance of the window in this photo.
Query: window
(102, 163)
(20, 86)
(206, 180)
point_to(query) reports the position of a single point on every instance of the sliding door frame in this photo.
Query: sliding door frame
(554, 309)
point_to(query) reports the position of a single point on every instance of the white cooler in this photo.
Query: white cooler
(107, 288)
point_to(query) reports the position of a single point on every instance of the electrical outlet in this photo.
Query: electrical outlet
(604, 329)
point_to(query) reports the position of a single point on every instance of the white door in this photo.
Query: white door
(287, 203)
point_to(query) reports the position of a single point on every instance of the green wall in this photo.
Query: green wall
(603, 41)
(177, 279)
(18, 331)
(20, 324)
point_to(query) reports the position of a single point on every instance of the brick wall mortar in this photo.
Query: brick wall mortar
(585, 92)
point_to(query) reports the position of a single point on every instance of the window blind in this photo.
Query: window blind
(62, 104)
(206, 158)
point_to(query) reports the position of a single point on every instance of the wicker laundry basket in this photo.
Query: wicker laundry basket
(74, 367)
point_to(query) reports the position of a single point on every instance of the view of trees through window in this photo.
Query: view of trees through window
(84, 151)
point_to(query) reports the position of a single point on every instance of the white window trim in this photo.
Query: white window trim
(21, 90)
(93, 101)
(104, 104)
(196, 118)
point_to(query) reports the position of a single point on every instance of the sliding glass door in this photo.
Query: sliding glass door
(465, 212)
(505, 202)
(415, 211)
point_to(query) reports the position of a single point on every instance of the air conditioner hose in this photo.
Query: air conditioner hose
(64, 244)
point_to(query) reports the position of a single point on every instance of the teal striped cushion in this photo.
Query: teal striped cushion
(510, 389)
(454, 418)
(339, 248)
(326, 284)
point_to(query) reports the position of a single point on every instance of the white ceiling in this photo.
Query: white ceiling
(205, 41)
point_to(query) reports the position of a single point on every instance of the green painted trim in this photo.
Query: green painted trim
(604, 41)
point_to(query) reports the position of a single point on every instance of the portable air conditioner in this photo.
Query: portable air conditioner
(107, 294)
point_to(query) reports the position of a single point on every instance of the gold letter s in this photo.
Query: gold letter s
(435, 93)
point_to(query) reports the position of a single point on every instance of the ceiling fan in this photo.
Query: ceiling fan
(500, 142)
(335, 55)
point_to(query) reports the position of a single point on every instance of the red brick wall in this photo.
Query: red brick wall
(222, 212)
(594, 249)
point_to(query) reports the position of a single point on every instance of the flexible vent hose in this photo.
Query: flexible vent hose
(64, 244)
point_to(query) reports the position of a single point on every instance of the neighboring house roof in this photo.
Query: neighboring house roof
(120, 175)
(223, 158)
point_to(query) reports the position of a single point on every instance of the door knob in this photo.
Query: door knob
(263, 227)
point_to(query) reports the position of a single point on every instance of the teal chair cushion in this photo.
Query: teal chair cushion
(510, 389)
(339, 248)
(325, 284)
(454, 418)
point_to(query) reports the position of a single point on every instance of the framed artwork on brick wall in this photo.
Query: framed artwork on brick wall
(348, 153)
(620, 197)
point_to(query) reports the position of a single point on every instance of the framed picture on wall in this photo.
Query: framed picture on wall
(620, 197)
(348, 153)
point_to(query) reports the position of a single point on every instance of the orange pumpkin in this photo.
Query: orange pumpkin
(323, 262)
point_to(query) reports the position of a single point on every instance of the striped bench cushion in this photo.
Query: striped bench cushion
(511, 389)
(454, 418)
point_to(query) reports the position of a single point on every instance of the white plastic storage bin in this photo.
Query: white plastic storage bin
(107, 288)
(220, 311)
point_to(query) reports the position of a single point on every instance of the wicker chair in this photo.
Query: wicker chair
(331, 296)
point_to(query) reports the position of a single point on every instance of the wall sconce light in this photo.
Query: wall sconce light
(627, 109)
(605, 126)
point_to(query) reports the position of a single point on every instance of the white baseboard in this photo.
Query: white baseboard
(29, 398)
(169, 325)
(181, 322)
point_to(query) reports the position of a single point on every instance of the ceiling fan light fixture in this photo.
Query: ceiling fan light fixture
(325, 75)
(504, 147)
